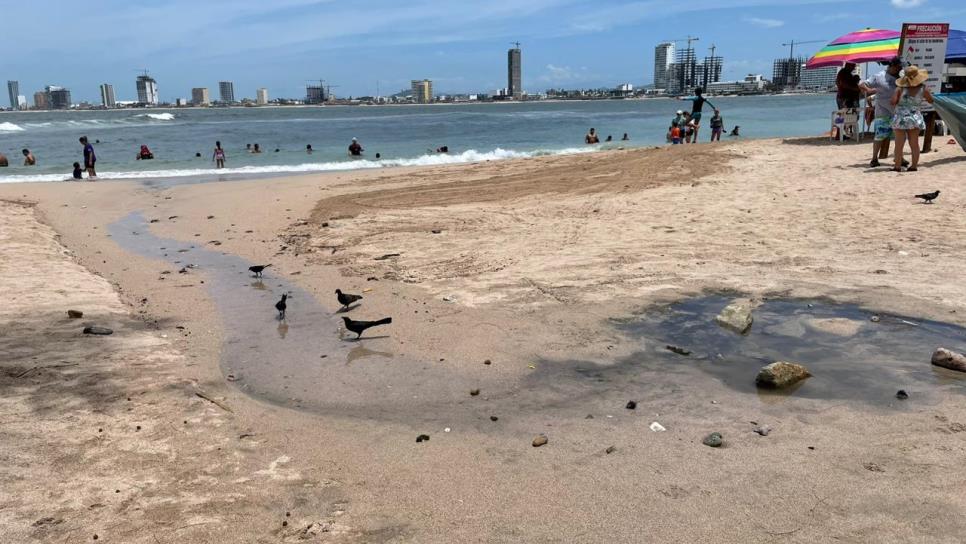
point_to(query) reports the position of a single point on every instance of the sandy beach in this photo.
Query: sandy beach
(203, 419)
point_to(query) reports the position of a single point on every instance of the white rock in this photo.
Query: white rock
(657, 427)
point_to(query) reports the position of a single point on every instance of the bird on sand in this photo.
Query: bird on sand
(257, 269)
(280, 306)
(359, 327)
(928, 197)
(345, 299)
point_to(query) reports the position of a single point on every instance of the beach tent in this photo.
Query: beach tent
(952, 108)
(869, 45)
(956, 47)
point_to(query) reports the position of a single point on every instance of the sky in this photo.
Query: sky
(361, 48)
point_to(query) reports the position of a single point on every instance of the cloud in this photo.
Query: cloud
(904, 4)
(764, 23)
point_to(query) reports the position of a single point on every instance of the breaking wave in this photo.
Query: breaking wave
(435, 159)
(10, 127)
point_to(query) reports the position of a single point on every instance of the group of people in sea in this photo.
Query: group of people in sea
(685, 125)
(896, 99)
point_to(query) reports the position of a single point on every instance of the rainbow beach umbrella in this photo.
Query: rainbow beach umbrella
(869, 45)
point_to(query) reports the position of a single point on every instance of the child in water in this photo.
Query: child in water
(78, 173)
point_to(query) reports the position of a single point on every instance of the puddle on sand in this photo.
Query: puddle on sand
(301, 362)
(849, 355)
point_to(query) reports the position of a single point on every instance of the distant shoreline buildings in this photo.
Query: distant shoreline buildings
(107, 96)
(147, 89)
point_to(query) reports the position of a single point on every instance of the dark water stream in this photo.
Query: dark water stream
(305, 362)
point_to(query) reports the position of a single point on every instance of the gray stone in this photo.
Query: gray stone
(949, 359)
(736, 317)
(539, 440)
(102, 331)
(75, 314)
(714, 440)
(763, 430)
(610, 450)
(781, 374)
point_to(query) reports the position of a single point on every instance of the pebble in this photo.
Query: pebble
(487, 362)
(657, 427)
(474, 392)
(494, 418)
(713, 440)
(610, 450)
(875, 319)
(539, 440)
(902, 395)
(446, 430)
(678, 350)
(631, 405)
(75, 314)
(763, 430)
(422, 438)
(102, 331)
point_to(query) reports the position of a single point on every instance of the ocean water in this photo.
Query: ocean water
(403, 135)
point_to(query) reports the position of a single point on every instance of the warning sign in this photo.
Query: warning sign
(924, 44)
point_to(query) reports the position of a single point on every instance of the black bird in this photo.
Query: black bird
(359, 327)
(345, 299)
(929, 197)
(257, 269)
(280, 306)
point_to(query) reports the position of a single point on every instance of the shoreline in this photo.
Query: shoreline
(540, 259)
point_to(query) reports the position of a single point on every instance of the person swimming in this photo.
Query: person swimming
(256, 149)
(625, 138)
(734, 131)
(145, 154)
(591, 137)
(308, 148)
(28, 158)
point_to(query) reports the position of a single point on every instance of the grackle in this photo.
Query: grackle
(280, 306)
(345, 299)
(929, 197)
(359, 327)
(257, 269)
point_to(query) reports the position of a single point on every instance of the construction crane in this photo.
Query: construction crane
(791, 46)
(326, 88)
(689, 39)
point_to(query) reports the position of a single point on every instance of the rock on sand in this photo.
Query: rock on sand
(781, 374)
(949, 359)
(736, 317)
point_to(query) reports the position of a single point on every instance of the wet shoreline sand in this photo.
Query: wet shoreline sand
(536, 258)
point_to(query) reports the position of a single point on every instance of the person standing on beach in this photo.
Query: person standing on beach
(89, 157)
(908, 122)
(28, 158)
(847, 83)
(717, 125)
(697, 104)
(218, 156)
(883, 87)
(591, 137)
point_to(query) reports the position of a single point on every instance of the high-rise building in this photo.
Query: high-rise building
(261, 96)
(422, 91)
(787, 72)
(314, 94)
(21, 102)
(514, 64)
(711, 70)
(40, 100)
(107, 96)
(226, 90)
(147, 90)
(199, 96)
(58, 98)
(684, 74)
(13, 91)
(663, 57)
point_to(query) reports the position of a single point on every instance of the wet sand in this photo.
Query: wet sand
(535, 265)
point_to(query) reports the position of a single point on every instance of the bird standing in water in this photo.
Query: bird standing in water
(280, 306)
(257, 269)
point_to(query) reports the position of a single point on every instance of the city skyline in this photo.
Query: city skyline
(567, 43)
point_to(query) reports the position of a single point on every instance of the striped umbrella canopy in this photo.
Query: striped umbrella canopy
(869, 45)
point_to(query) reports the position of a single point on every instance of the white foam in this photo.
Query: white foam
(10, 127)
(434, 159)
(160, 116)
